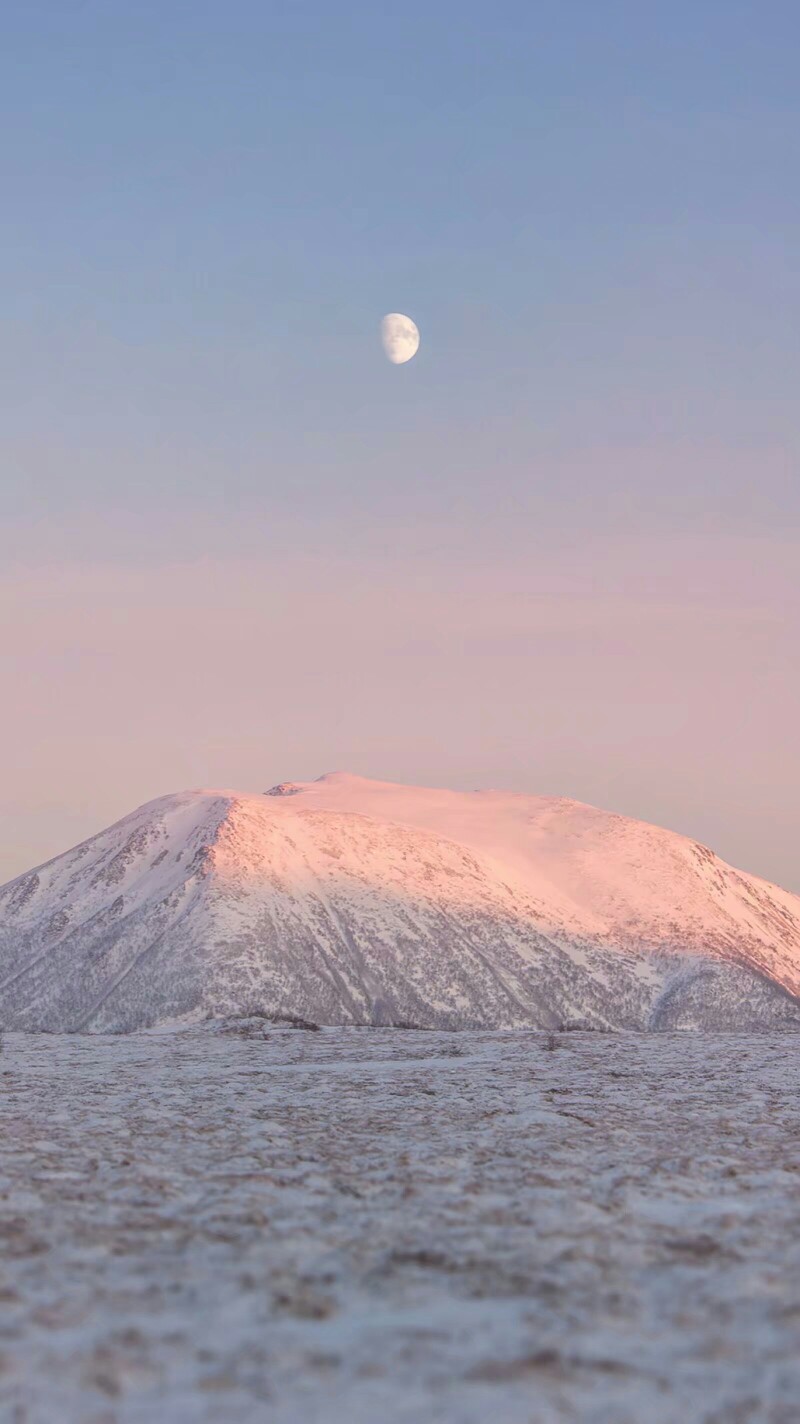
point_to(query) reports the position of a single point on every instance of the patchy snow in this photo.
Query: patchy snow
(353, 901)
(246, 1222)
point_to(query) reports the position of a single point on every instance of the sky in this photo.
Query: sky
(558, 551)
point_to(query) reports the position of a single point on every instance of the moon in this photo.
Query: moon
(400, 337)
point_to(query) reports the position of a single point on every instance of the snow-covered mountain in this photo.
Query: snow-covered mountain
(351, 901)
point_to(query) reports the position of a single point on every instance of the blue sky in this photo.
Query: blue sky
(590, 209)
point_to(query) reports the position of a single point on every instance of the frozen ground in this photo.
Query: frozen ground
(357, 1226)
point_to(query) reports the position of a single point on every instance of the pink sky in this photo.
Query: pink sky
(658, 677)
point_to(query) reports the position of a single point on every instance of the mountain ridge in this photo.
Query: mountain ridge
(345, 900)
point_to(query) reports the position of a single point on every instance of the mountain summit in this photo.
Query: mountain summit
(351, 901)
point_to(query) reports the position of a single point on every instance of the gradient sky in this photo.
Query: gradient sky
(557, 552)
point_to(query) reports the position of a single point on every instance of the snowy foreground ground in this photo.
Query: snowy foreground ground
(386, 1226)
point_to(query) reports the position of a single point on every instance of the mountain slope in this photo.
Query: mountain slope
(352, 901)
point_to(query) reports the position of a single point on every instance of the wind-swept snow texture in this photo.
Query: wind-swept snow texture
(348, 901)
(366, 1227)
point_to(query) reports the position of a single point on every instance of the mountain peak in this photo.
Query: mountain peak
(346, 900)
(343, 778)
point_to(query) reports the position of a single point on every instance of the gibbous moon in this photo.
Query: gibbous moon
(400, 337)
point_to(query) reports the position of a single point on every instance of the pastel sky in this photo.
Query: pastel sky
(558, 551)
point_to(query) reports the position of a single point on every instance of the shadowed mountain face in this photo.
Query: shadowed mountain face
(351, 901)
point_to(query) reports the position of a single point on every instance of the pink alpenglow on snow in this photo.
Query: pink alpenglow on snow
(347, 901)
